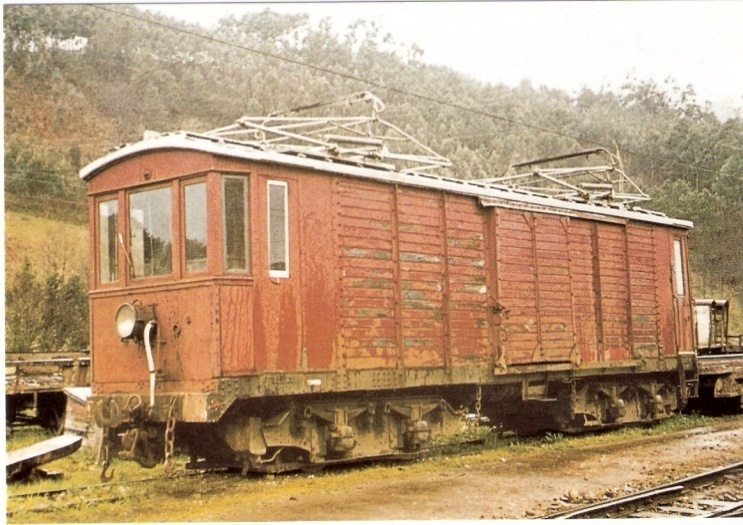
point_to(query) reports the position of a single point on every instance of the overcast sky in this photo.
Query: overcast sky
(562, 45)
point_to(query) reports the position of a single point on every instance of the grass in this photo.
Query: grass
(26, 436)
(46, 243)
(79, 469)
(211, 497)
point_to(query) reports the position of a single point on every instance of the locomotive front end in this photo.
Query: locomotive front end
(156, 287)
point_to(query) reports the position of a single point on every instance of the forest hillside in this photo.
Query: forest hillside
(80, 79)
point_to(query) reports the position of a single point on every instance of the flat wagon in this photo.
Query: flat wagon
(281, 293)
(719, 356)
(35, 384)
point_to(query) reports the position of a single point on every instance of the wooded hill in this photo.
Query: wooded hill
(80, 79)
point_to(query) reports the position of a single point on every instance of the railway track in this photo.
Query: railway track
(100, 489)
(712, 494)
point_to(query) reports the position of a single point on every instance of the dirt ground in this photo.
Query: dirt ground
(509, 482)
(524, 487)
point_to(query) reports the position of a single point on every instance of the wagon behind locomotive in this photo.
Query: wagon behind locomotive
(314, 309)
(35, 384)
(720, 357)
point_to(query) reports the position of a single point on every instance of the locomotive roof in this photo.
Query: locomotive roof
(489, 194)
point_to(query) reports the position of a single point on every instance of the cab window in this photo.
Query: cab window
(278, 229)
(108, 232)
(150, 233)
(235, 224)
(678, 268)
(194, 197)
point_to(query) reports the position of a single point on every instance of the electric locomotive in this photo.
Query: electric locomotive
(293, 291)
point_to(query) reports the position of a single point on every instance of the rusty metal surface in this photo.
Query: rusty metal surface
(720, 364)
(25, 459)
(200, 402)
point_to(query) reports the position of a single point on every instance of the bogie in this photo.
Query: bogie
(277, 435)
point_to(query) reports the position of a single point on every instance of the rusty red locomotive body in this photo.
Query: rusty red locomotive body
(307, 310)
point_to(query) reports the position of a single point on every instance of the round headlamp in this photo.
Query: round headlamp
(130, 320)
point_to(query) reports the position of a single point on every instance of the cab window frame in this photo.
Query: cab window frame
(185, 185)
(276, 273)
(235, 228)
(173, 236)
(113, 250)
(678, 267)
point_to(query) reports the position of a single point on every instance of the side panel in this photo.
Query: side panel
(586, 291)
(682, 292)
(614, 292)
(236, 336)
(319, 276)
(411, 296)
(468, 298)
(422, 273)
(368, 334)
(277, 319)
(536, 287)
(554, 288)
(643, 269)
(664, 290)
(518, 286)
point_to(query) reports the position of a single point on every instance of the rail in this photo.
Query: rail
(635, 504)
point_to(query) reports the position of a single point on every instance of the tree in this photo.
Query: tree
(23, 302)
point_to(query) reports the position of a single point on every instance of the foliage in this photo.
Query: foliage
(131, 75)
(45, 316)
(34, 177)
(22, 310)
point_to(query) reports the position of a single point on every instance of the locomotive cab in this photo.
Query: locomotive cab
(187, 247)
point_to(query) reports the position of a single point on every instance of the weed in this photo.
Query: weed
(551, 438)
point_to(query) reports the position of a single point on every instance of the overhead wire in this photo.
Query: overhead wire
(81, 205)
(393, 89)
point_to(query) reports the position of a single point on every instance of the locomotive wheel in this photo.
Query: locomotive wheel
(309, 433)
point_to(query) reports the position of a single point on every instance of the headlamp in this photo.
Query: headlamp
(130, 320)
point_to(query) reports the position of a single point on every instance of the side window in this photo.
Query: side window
(108, 232)
(678, 268)
(194, 197)
(278, 229)
(150, 233)
(235, 224)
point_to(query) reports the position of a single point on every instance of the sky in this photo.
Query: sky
(562, 45)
